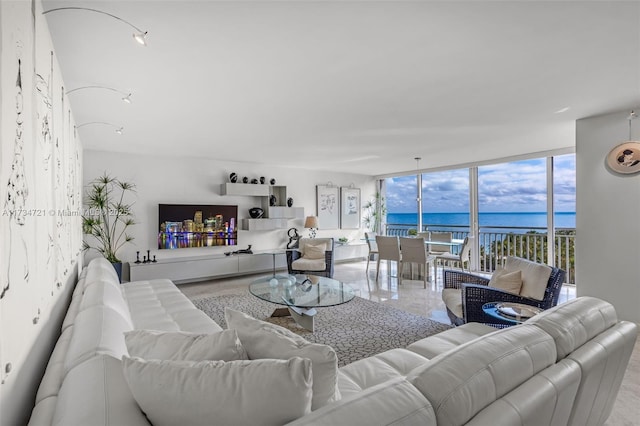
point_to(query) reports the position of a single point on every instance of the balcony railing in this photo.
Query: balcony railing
(498, 242)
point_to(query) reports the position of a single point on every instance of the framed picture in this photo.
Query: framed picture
(327, 202)
(349, 208)
(625, 158)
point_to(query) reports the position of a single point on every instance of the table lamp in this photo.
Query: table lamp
(311, 222)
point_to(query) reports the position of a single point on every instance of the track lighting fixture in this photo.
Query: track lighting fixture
(118, 129)
(126, 96)
(139, 36)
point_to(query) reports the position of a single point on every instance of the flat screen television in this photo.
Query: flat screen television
(196, 225)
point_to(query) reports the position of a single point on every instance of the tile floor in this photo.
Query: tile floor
(412, 297)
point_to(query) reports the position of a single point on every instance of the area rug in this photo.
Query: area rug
(355, 330)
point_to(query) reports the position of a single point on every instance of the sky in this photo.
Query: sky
(518, 186)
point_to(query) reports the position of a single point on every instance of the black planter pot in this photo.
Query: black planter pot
(118, 268)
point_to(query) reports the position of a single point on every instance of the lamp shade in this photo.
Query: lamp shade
(311, 222)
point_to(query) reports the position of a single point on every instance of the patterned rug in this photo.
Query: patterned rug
(355, 330)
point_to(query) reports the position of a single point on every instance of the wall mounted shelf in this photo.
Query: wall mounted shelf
(276, 216)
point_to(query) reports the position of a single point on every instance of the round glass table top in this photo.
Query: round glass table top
(304, 291)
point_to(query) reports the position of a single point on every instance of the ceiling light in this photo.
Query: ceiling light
(118, 129)
(140, 36)
(126, 98)
(561, 110)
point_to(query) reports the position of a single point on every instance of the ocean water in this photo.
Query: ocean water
(487, 220)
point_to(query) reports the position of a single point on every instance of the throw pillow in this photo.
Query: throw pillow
(535, 276)
(507, 281)
(183, 346)
(264, 340)
(314, 252)
(263, 392)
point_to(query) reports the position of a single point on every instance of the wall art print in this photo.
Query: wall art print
(349, 208)
(328, 206)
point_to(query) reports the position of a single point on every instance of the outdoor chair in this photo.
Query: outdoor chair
(464, 294)
(388, 249)
(413, 250)
(373, 246)
(313, 256)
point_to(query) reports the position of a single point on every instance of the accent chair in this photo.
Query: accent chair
(313, 256)
(464, 294)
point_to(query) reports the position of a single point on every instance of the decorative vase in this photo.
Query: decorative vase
(254, 181)
(262, 180)
(289, 202)
(245, 180)
(273, 181)
(233, 177)
(256, 212)
(272, 200)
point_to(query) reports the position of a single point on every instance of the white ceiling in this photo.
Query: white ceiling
(357, 86)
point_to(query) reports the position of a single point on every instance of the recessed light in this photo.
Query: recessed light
(561, 110)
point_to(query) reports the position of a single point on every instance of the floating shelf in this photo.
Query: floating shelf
(245, 189)
(276, 217)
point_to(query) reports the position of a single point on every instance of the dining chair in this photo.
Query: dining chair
(388, 249)
(424, 235)
(444, 237)
(373, 246)
(413, 250)
(462, 257)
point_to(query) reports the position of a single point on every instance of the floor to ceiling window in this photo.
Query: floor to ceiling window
(564, 204)
(514, 211)
(402, 210)
(445, 201)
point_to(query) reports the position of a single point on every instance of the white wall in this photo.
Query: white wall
(607, 216)
(169, 180)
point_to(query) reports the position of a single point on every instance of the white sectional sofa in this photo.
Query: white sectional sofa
(563, 366)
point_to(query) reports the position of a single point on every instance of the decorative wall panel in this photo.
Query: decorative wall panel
(40, 181)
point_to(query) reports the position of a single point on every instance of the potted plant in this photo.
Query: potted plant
(107, 217)
(375, 211)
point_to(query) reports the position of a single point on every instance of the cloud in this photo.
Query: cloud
(519, 186)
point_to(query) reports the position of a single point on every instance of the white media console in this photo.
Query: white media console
(198, 268)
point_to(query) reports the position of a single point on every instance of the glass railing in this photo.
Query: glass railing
(497, 242)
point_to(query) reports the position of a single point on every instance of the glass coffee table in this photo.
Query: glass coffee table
(301, 294)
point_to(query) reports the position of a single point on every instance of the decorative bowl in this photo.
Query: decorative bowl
(256, 212)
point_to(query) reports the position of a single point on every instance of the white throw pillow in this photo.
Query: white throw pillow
(184, 346)
(263, 392)
(264, 340)
(507, 281)
(535, 276)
